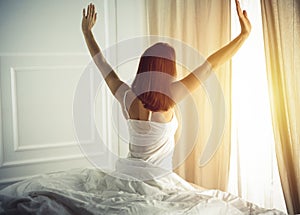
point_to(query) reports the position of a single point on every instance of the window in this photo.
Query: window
(253, 170)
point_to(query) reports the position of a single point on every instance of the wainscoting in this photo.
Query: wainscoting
(42, 57)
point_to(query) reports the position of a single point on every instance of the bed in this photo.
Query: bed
(92, 191)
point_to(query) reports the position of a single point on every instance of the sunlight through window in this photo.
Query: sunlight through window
(253, 172)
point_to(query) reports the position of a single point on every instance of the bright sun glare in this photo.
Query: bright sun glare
(254, 174)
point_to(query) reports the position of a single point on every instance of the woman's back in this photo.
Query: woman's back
(151, 133)
(137, 111)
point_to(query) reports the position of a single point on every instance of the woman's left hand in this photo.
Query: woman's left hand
(89, 19)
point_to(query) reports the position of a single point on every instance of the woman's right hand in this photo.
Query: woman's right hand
(89, 19)
(244, 21)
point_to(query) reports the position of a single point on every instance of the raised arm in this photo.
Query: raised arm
(226, 53)
(194, 79)
(111, 78)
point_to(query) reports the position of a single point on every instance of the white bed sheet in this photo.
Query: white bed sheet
(91, 191)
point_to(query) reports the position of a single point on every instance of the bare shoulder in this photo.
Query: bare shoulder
(137, 111)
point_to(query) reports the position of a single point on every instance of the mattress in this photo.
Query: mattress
(92, 191)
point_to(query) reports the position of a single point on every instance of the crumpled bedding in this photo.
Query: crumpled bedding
(92, 191)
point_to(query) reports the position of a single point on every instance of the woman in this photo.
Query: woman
(150, 101)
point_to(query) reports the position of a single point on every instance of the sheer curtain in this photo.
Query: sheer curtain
(281, 25)
(205, 26)
(253, 168)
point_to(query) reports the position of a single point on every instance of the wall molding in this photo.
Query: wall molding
(50, 146)
(44, 160)
(16, 144)
(14, 105)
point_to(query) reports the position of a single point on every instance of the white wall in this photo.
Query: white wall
(42, 56)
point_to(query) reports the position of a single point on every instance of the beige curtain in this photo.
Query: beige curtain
(281, 25)
(204, 25)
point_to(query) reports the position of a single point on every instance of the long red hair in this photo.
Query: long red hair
(157, 69)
